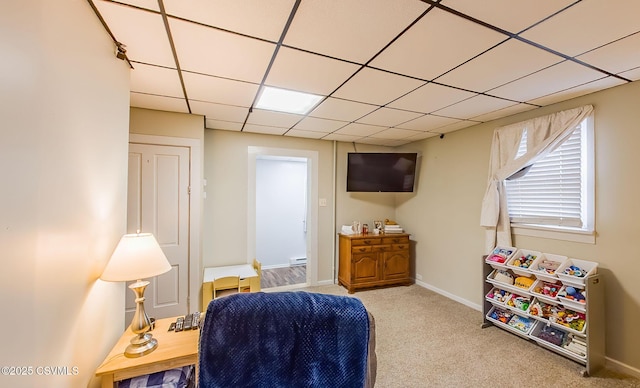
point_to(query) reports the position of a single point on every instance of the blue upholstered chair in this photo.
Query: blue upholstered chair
(287, 339)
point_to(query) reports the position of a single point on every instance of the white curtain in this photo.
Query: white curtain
(544, 134)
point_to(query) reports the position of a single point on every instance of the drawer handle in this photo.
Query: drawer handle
(362, 249)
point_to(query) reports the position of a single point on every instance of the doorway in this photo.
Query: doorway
(283, 237)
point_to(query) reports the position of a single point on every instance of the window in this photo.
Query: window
(557, 191)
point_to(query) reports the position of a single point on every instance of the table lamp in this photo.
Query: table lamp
(137, 256)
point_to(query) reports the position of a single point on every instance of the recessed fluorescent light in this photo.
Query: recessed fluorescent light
(287, 101)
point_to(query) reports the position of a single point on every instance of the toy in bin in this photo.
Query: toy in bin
(573, 293)
(543, 310)
(571, 319)
(520, 323)
(499, 295)
(523, 282)
(552, 335)
(518, 302)
(524, 261)
(548, 266)
(548, 289)
(500, 255)
(501, 315)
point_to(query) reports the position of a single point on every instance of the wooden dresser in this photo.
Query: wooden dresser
(370, 260)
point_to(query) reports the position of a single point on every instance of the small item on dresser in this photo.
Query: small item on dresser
(365, 229)
(179, 324)
(188, 321)
(196, 320)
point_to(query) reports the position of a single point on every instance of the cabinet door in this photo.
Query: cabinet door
(365, 268)
(395, 265)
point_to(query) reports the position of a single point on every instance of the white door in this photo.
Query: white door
(158, 202)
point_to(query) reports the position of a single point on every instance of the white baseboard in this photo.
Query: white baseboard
(618, 366)
(449, 295)
(610, 363)
(286, 265)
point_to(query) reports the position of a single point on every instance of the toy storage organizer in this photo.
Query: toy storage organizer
(556, 301)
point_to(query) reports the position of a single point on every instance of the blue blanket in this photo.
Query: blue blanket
(284, 339)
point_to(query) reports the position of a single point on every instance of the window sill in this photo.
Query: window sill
(586, 237)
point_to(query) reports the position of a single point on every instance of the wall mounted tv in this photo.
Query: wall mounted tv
(381, 171)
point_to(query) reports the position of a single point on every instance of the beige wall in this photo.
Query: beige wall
(444, 215)
(63, 152)
(160, 123)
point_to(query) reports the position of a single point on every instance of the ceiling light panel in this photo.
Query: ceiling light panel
(592, 24)
(156, 80)
(341, 110)
(376, 87)
(209, 51)
(273, 119)
(436, 44)
(509, 15)
(559, 77)
(258, 18)
(431, 97)
(219, 90)
(288, 101)
(354, 30)
(142, 32)
(150, 101)
(500, 65)
(306, 72)
(388, 117)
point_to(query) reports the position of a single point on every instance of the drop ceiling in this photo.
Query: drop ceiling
(390, 72)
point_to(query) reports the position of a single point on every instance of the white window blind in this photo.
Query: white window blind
(552, 191)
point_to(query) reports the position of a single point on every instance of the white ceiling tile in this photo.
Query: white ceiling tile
(263, 19)
(273, 119)
(156, 80)
(382, 142)
(142, 32)
(430, 97)
(202, 49)
(587, 25)
(633, 74)
(359, 129)
(388, 117)
(223, 125)
(457, 126)
(428, 123)
(394, 133)
(149, 101)
(254, 128)
(474, 106)
(559, 77)
(148, 4)
(341, 137)
(509, 15)
(306, 134)
(437, 43)
(333, 108)
(617, 56)
(504, 112)
(507, 62)
(310, 73)
(581, 90)
(219, 111)
(422, 136)
(219, 90)
(320, 125)
(354, 30)
(376, 87)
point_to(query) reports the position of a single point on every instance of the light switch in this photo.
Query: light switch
(323, 202)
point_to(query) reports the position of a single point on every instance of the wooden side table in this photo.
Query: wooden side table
(174, 350)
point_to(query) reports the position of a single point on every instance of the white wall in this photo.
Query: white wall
(63, 163)
(444, 216)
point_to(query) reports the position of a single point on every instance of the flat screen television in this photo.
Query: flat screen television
(381, 171)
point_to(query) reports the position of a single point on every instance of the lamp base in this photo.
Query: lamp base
(140, 345)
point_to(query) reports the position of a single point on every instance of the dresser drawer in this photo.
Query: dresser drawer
(396, 240)
(366, 241)
(360, 249)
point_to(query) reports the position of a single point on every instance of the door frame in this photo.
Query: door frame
(195, 207)
(312, 198)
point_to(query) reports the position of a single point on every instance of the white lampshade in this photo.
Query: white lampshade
(137, 256)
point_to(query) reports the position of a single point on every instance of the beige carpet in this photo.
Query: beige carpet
(427, 340)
